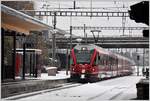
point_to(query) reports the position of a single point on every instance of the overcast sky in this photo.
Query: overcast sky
(104, 5)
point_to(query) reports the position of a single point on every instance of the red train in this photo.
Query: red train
(91, 63)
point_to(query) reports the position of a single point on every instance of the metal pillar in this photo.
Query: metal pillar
(85, 35)
(74, 4)
(54, 41)
(123, 23)
(138, 58)
(143, 58)
(53, 49)
(2, 53)
(33, 65)
(84, 31)
(24, 57)
(36, 68)
(30, 63)
(91, 9)
(67, 60)
(70, 48)
(70, 38)
(14, 54)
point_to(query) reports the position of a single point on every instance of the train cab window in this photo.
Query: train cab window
(83, 56)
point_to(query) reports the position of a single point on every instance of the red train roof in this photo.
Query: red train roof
(100, 50)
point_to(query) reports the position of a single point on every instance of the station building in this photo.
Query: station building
(19, 56)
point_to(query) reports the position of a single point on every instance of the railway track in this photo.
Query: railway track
(102, 93)
(108, 94)
(111, 89)
(57, 87)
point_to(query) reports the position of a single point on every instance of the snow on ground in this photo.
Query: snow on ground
(59, 75)
(122, 88)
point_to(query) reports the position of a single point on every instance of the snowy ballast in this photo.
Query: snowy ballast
(51, 71)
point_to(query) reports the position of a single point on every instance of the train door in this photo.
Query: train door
(96, 61)
(117, 65)
(110, 64)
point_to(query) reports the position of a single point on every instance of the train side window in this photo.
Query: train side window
(104, 60)
(107, 60)
(101, 60)
(112, 61)
(99, 57)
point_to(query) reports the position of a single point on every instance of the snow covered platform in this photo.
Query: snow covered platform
(59, 75)
(33, 84)
(122, 88)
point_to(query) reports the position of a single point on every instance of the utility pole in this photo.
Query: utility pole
(2, 53)
(70, 50)
(143, 61)
(24, 57)
(54, 40)
(70, 38)
(138, 58)
(85, 35)
(67, 60)
(84, 31)
(123, 21)
(74, 4)
(14, 53)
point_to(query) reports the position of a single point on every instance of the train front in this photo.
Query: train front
(82, 66)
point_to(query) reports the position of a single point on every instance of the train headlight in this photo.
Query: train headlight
(83, 71)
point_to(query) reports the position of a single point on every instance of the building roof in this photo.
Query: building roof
(23, 23)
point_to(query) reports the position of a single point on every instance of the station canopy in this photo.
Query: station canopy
(17, 21)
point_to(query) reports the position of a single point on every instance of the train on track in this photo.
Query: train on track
(92, 63)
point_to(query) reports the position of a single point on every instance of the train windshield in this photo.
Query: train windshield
(83, 56)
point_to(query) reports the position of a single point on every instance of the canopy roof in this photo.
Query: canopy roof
(17, 21)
